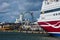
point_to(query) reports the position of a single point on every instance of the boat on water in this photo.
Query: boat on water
(49, 18)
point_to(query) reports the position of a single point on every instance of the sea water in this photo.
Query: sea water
(25, 36)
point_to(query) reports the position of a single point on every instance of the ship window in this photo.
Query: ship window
(56, 0)
(42, 12)
(56, 14)
(53, 10)
(45, 0)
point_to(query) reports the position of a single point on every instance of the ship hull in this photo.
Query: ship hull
(55, 34)
(52, 27)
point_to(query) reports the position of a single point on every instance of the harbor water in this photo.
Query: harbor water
(25, 36)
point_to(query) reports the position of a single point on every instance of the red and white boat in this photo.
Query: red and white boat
(49, 18)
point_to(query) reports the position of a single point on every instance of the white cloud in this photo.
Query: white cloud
(3, 6)
(28, 6)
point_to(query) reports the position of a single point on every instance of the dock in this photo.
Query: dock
(34, 32)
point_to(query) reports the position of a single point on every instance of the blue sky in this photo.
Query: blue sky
(11, 9)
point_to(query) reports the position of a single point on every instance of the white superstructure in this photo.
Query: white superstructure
(50, 4)
(50, 10)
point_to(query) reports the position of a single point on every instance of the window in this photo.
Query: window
(53, 10)
(45, 0)
(56, 0)
(42, 12)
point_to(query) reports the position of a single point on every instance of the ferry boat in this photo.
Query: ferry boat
(49, 18)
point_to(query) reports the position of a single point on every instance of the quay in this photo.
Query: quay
(43, 32)
(18, 27)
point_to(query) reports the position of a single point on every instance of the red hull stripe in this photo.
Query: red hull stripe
(50, 26)
(46, 23)
(51, 29)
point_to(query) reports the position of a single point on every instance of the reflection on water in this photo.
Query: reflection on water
(25, 36)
